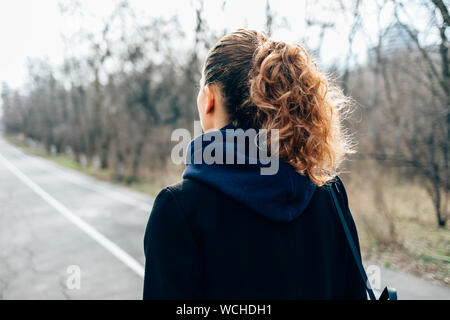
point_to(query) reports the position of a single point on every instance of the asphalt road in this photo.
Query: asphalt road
(64, 235)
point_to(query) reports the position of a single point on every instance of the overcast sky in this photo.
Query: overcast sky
(33, 28)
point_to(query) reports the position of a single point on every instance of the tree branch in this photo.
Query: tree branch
(444, 11)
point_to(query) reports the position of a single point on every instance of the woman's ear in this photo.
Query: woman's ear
(209, 99)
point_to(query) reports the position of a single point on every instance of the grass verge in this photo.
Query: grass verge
(397, 224)
(151, 182)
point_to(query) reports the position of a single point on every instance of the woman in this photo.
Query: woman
(227, 231)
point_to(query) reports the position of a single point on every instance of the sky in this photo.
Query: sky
(35, 29)
(27, 28)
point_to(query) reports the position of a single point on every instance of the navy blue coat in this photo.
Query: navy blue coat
(203, 242)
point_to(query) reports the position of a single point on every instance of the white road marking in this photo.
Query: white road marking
(75, 178)
(143, 206)
(114, 249)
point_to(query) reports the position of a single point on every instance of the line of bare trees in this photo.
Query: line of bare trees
(120, 117)
(405, 92)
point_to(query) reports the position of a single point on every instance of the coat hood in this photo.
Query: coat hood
(282, 196)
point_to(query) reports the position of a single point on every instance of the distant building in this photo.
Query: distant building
(397, 38)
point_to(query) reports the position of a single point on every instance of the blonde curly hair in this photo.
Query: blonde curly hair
(269, 84)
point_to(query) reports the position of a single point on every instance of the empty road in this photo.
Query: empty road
(65, 235)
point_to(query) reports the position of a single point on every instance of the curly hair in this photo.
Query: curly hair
(269, 84)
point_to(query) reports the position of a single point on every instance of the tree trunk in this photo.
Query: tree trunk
(137, 159)
(435, 193)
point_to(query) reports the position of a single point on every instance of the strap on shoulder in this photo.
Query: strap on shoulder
(351, 243)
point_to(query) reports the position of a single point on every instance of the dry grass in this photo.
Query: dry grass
(397, 224)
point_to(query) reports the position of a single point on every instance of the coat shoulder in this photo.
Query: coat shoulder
(185, 186)
(188, 192)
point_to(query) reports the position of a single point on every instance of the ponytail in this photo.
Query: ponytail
(273, 85)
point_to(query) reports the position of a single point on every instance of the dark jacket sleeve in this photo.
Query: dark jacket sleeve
(354, 286)
(172, 268)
